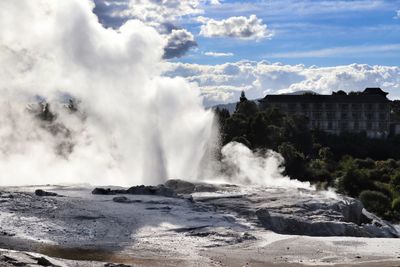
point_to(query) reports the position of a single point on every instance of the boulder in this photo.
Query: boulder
(180, 186)
(159, 190)
(42, 193)
(103, 191)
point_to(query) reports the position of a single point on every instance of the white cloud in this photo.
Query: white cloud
(218, 54)
(250, 28)
(397, 14)
(164, 16)
(338, 51)
(260, 78)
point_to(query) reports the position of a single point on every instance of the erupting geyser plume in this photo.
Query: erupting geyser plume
(132, 125)
(126, 123)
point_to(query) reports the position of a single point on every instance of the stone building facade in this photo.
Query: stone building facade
(367, 111)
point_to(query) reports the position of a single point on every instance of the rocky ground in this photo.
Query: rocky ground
(185, 224)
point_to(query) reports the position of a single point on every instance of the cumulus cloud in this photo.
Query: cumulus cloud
(223, 83)
(250, 28)
(397, 14)
(218, 54)
(164, 16)
(179, 42)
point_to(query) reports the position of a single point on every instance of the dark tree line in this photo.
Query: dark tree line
(355, 165)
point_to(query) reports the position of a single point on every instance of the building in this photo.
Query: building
(367, 111)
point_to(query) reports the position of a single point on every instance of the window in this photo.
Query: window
(331, 116)
(343, 116)
(356, 125)
(370, 106)
(370, 116)
(382, 106)
(317, 115)
(369, 125)
(344, 106)
(356, 116)
(382, 116)
(382, 126)
(343, 126)
(330, 125)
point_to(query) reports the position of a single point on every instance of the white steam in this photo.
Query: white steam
(133, 126)
(245, 167)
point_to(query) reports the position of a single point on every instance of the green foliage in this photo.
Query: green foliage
(375, 202)
(395, 183)
(353, 182)
(396, 205)
(295, 164)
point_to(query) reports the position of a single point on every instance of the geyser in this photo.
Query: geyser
(133, 126)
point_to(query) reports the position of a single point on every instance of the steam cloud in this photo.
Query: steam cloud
(245, 167)
(132, 125)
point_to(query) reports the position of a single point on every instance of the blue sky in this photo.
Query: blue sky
(330, 32)
(272, 46)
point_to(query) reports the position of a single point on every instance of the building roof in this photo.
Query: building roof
(370, 95)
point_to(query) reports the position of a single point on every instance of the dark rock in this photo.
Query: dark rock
(42, 193)
(180, 186)
(125, 200)
(159, 190)
(116, 265)
(42, 261)
(103, 191)
(165, 208)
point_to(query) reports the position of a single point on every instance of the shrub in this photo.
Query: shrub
(375, 202)
(395, 183)
(353, 182)
(396, 205)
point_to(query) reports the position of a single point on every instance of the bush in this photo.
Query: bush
(395, 183)
(375, 202)
(396, 205)
(353, 182)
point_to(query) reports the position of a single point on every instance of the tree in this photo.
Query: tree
(375, 202)
(353, 182)
(295, 164)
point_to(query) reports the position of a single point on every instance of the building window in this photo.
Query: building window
(330, 125)
(382, 116)
(331, 116)
(356, 116)
(344, 106)
(344, 116)
(355, 106)
(369, 125)
(343, 126)
(318, 106)
(382, 106)
(304, 106)
(356, 125)
(370, 116)
(383, 126)
(329, 106)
